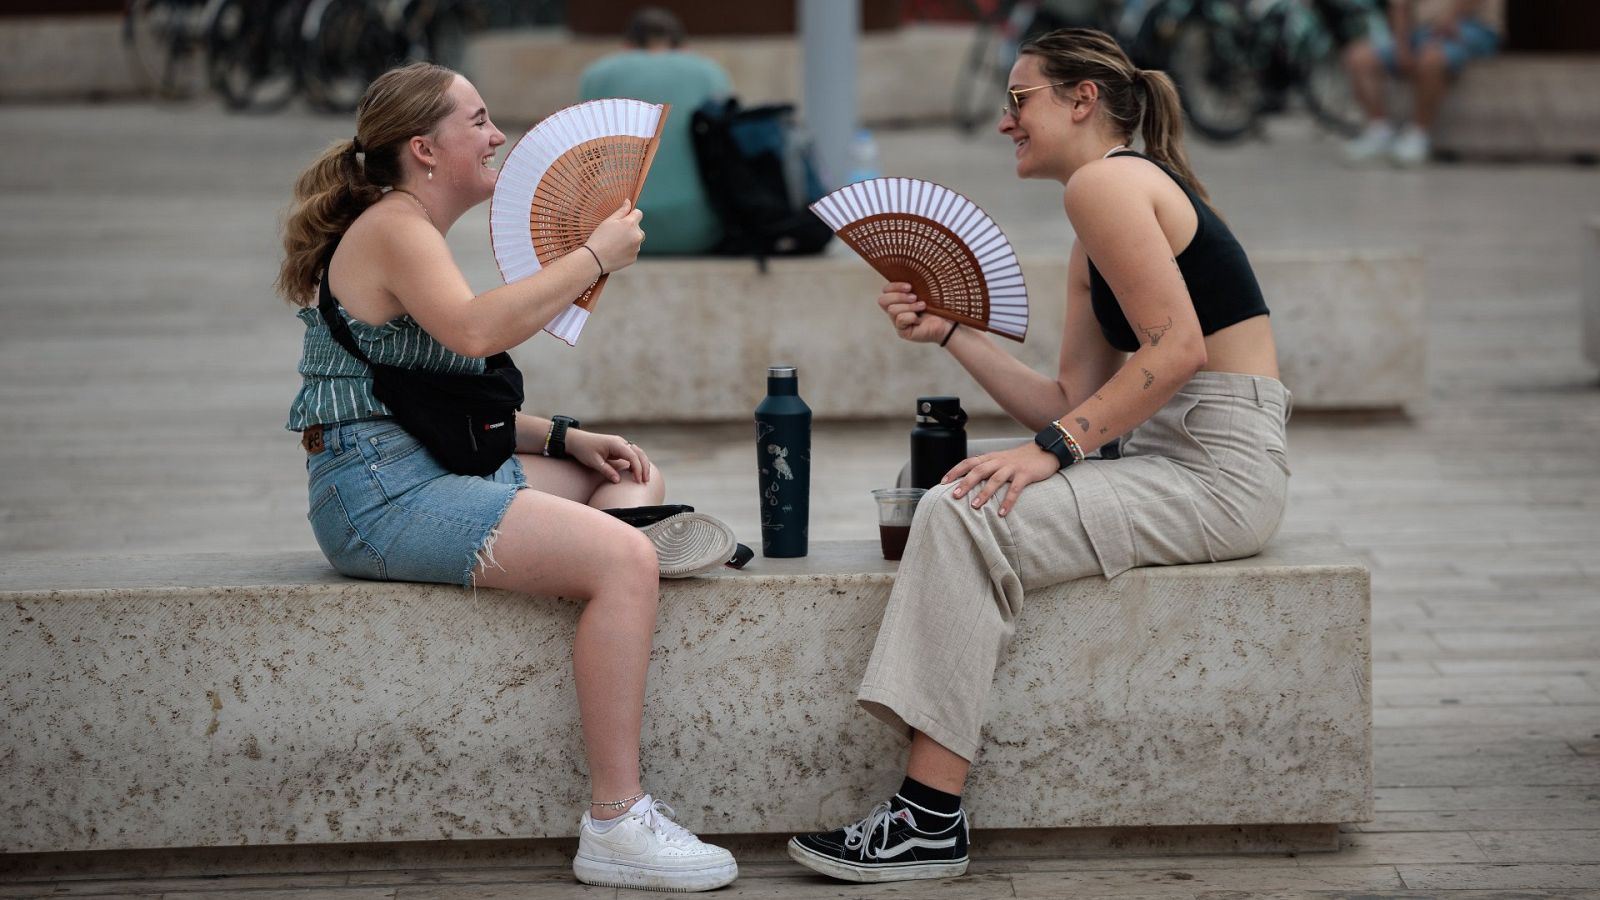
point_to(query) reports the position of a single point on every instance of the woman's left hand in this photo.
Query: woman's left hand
(1012, 469)
(608, 454)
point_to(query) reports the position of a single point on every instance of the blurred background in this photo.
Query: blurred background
(1237, 60)
(146, 367)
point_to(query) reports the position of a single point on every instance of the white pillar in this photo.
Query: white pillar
(829, 31)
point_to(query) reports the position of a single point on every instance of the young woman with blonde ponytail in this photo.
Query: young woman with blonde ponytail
(1167, 346)
(367, 229)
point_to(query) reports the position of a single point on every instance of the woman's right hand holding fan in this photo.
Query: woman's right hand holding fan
(615, 241)
(909, 314)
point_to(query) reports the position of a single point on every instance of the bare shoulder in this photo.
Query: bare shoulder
(1114, 176)
(391, 225)
(1114, 182)
(387, 236)
(379, 247)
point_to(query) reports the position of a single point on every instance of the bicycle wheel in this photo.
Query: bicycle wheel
(447, 31)
(981, 84)
(252, 60)
(344, 46)
(161, 46)
(1328, 96)
(1220, 87)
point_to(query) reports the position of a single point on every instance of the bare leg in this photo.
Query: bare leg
(1368, 81)
(1431, 80)
(937, 766)
(550, 546)
(565, 478)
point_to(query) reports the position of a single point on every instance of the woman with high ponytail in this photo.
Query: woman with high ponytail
(1167, 356)
(364, 250)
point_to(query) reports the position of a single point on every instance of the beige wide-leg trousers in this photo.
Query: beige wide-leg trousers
(1204, 479)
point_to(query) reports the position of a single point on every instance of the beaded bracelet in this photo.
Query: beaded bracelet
(1072, 442)
(618, 804)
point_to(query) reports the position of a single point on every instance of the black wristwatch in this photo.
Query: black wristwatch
(1052, 440)
(555, 444)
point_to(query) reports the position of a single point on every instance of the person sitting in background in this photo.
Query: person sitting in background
(1426, 42)
(655, 69)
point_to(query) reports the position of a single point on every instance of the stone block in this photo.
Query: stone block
(905, 75)
(1522, 106)
(65, 57)
(230, 700)
(690, 339)
(1591, 291)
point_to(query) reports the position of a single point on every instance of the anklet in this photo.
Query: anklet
(618, 804)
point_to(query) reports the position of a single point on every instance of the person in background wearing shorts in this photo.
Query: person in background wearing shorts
(1426, 42)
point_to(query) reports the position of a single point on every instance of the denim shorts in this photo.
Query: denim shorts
(383, 508)
(1473, 40)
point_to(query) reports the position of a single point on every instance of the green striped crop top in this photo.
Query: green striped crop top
(337, 387)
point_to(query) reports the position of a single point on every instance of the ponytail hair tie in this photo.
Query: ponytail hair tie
(355, 145)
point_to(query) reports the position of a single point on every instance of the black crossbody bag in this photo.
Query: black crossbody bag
(468, 422)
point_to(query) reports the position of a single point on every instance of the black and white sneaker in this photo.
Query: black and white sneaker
(898, 841)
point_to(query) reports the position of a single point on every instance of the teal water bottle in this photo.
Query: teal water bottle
(783, 463)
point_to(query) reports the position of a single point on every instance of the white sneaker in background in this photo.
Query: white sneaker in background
(645, 849)
(1411, 148)
(1371, 146)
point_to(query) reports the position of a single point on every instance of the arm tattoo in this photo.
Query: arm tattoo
(1149, 379)
(1098, 397)
(1180, 273)
(1082, 423)
(1156, 332)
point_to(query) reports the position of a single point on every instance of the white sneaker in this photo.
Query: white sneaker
(1371, 146)
(645, 849)
(690, 544)
(1411, 149)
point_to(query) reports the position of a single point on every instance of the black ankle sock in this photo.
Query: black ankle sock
(931, 799)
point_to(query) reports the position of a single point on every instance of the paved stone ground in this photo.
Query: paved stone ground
(145, 369)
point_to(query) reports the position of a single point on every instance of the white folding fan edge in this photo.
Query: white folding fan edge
(977, 231)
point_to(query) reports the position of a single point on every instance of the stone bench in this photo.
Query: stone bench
(690, 339)
(1591, 291)
(226, 700)
(1523, 106)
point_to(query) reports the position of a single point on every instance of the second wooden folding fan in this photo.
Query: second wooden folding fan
(563, 178)
(952, 254)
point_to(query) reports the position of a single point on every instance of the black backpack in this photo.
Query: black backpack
(759, 179)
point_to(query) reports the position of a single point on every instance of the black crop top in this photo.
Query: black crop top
(1221, 282)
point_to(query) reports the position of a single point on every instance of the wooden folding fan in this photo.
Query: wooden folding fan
(952, 254)
(563, 178)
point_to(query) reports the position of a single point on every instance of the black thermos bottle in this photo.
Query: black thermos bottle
(783, 460)
(939, 441)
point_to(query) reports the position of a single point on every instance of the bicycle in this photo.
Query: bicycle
(1003, 27)
(348, 43)
(1234, 62)
(254, 61)
(165, 39)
